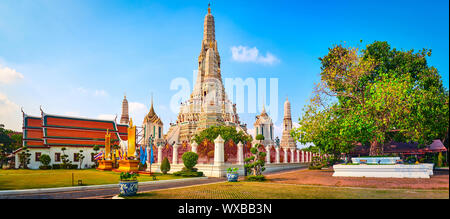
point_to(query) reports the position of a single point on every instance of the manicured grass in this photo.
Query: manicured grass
(266, 190)
(32, 179)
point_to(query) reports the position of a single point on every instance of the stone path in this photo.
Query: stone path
(107, 193)
(102, 193)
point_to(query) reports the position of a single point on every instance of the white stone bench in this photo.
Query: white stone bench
(385, 171)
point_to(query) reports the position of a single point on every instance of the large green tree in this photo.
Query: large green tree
(374, 96)
(9, 142)
(226, 132)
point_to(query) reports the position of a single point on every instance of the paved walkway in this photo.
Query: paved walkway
(108, 191)
(101, 193)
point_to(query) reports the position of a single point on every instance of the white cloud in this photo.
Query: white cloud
(10, 114)
(246, 54)
(9, 75)
(137, 112)
(100, 93)
(85, 91)
(75, 114)
(107, 117)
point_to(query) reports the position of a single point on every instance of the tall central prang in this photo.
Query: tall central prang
(208, 104)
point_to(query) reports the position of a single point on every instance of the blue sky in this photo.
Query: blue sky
(79, 57)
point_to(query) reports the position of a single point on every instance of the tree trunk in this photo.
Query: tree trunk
(376, 148)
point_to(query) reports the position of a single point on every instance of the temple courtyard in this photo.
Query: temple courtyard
(36, 179)
(313, 184)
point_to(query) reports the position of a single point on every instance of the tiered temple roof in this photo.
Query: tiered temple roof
(55, 130)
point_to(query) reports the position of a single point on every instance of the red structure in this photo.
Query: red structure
(64, 131)
(230, 149)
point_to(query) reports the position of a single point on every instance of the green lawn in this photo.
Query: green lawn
(265, 190)
(32, 179)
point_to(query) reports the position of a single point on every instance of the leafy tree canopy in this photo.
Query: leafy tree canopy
(374, 96)
(226, 132)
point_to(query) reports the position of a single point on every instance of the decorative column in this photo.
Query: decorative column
(292, 156)
(298, 155)
(160, 154)
(194, 147)
(310, 156)
(277, 158)
(285, 155)
(175, 154)
(219, 158)
(240, 153)
(267, 154)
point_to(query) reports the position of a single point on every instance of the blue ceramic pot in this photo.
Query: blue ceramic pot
(232, 177)
(128, 188)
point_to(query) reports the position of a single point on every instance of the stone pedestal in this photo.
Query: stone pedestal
(277, 158)
(175, 154)
(194, 146)
(128, 165)
(292, 156)
(267, 154)
(105, 165)
(219, 158)
(240, 153)
(160, 154)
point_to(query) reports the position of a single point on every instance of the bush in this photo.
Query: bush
(142, 167)
(165, 166)
(56, 166)
(45, 159)
(189, 159)
(45, 167)
(184, 173)
(73, 166)
(258, 178)
(318, 162)
(411, 159)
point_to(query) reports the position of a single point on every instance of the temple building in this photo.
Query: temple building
(264, 126)
(152, 127)
(208, 104)
(124, 119)
(48, 134)
(286, 139)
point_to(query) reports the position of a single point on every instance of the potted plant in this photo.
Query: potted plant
(128, 183)
(232, 174)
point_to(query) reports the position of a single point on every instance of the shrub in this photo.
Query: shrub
(56, 166)
(165, 166)
(260, 137)
(259, 178)
(128, 176)
(411, 159)
(318, 162)
(440, 160)
(184, 173)
(142, 167)
(43, 167)
(255, 164)
(45, 159)
(189, 159)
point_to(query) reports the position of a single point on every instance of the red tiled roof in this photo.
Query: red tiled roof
(55, 130)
